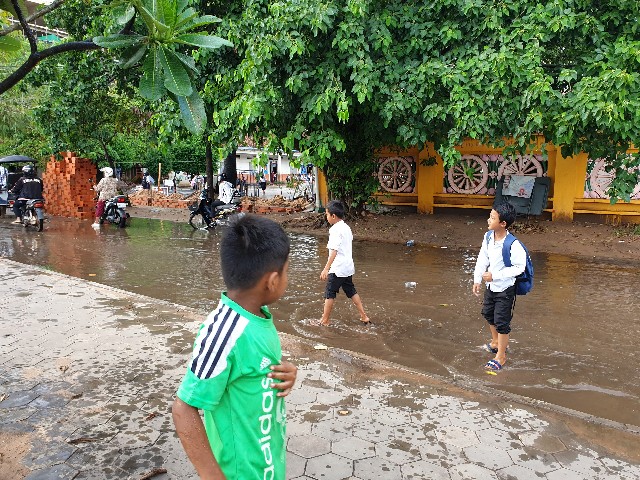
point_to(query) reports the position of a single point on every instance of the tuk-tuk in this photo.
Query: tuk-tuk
(10, 172)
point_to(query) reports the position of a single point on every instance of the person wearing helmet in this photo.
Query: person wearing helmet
(225, 193)
(28, 187)
(107, 188)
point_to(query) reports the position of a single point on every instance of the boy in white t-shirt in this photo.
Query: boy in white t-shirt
(339, 270)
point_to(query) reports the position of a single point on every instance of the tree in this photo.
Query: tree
(165, 27)
(340, 78)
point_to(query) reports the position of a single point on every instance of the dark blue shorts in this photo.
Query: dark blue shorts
(497, 308)
(335, 283)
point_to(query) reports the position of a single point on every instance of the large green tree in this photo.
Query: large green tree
(339, 78)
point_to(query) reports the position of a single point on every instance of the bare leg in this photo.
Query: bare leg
(358, 303)
(326, 313)
(494, 336)
(503, 341)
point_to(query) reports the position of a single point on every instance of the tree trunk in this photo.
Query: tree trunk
(230, 168)
(209, 163)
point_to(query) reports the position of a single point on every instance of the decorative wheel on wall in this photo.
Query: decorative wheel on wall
(599, 180)
(521, 165)
(469, 175)
(395, 174)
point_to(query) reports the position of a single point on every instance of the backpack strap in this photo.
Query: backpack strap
(506, 249)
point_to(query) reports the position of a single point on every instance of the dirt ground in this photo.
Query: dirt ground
(459, 230)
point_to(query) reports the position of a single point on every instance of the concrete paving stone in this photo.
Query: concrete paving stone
(376, 469)
(46, 453)
(488, 456)
(542, 441)
(411, 433)
(422, 470)
(314, 413)
(430, 421)
(374, 431)
(353, 448)
(328, 429)
(301, 396)
(470, 471)
(334, 397)
(398, 451)
(509, 424)
(620, 467)
(518, 472)
(295, 465)
(442, 454)
(304, 477)
(522, 412)
(17, 428)
(580, 463)
(50, 400)
(369, 401)
(135, 435)
(483, 408)
(298, 426)
(392, 416)
(308, 446)
(87, 435)
(356, 415)
(94, 456)
(11, 415)
(60, 430)
(534, 460)
(19, 398)
(56, 472)
(500, 439)
(565, 474)
(473, 421)
(329, 467)
(442, 405)
(7, 339)
(101, 472)
(137, 461)
(459, 436)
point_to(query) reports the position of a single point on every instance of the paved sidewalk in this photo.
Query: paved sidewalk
(88, 372)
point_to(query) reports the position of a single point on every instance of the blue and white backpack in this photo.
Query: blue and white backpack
(524, 281)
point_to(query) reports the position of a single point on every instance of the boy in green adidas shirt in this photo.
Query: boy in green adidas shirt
(235, 374)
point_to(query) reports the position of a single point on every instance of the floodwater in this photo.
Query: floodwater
(573, 344)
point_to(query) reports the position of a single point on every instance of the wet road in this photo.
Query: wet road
(573, 342)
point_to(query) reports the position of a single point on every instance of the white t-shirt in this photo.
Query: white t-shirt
(226, 192)
(340, 239)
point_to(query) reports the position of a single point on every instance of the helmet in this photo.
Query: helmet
(223, 177)
(108, 171)
(28, 170)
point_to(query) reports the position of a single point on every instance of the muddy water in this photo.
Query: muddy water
(574, 339)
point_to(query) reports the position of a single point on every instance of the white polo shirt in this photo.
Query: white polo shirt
(340, 240)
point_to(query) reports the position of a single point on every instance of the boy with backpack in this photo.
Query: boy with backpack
(236, 375)
(505, 266)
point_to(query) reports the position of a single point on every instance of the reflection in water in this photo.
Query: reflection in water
(573, 340)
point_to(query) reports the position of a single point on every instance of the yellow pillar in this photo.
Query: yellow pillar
(429, 178)
(323, 189)
(567, 175)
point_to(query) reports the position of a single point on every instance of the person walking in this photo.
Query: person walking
(339, 270)
(500, 294)
(236, 374)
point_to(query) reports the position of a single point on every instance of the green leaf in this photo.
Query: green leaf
(133, 55)
(123, 13)
(191, 23)
(153, 24)
(205, 41)
(10, 44)
(118, 40)
(176, 78)
(151, 83)
(188, 61)
(193, 112)
(8, 6)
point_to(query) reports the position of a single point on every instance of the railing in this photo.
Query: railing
(43, 29)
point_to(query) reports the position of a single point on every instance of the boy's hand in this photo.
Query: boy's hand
(324, 274)
(487, 277)
(476, 289)
(286, 372)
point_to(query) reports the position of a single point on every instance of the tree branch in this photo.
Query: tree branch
(37, 57)
(38, 14)
(25, 27)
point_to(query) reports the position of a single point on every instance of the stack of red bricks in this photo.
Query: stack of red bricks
(145, 198)
(67, 186)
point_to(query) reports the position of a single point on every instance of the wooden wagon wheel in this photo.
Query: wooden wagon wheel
(395, 174)
(521, 165)
(469, 175)
(600, 180)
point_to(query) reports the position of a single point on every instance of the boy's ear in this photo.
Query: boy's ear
(271, 281)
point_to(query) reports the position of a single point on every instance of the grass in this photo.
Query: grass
(629, 230)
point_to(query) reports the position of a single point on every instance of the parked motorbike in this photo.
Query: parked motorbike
(202, 217)
(32, 213)
(114, 211)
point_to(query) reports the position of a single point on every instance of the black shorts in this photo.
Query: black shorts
(497, 308)
(334, 283)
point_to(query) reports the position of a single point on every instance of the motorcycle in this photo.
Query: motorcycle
(114, 211)
(201, 216)
(32, 213)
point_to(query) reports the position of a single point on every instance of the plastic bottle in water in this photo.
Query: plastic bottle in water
(410, 284)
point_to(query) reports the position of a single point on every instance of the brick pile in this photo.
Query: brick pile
(67, 186)
(146, 198)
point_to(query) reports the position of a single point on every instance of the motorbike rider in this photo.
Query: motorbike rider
(28, 187)
(107, 188)
(225, 196)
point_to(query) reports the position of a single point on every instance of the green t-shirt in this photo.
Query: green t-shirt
(227, 379)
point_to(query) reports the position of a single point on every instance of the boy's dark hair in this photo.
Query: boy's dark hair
(250, 247)
(506, 212)
(335, 207)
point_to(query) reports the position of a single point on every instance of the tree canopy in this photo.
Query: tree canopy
(340, 78)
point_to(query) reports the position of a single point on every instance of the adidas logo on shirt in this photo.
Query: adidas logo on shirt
(264, 363)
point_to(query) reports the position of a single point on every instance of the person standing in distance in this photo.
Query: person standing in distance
(339, 270)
